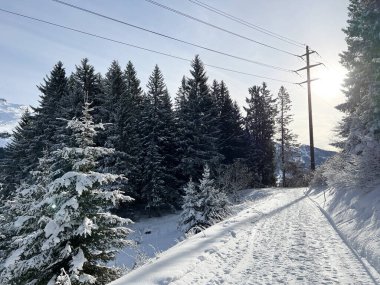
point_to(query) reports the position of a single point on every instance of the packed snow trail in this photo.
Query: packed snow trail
(282, 238)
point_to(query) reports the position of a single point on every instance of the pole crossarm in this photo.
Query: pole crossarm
(306, 81)
(310, 66)
(309, 53)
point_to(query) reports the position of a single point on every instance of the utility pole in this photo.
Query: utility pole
(308, 81)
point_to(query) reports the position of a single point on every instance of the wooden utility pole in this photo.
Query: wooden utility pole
(308, 81)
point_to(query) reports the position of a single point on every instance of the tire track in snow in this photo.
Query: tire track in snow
(232, 252)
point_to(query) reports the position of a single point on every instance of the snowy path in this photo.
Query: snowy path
(281, 239)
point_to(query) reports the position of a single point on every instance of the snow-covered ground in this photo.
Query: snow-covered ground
(152, 236)
(279, 237)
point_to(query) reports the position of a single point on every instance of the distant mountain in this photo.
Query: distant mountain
(10, 115)
(321, 155)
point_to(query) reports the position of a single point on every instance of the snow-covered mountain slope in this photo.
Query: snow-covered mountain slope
(321, 155)
(10, 114)
(281, 238)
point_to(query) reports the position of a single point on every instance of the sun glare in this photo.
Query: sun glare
(329, 85)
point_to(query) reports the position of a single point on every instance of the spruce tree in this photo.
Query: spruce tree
(18, 160)
(189, 218)
(61, 220)
(213, 203)
(128, 123)
(86, 86)
(13, 216)
(159, 188)
(204, 205)
(288, 149)
(52, 109)
(42, 130)
(197, 123)
(114, 87)
(260, 126)
(183, 138)
(231, 136)
(181, 98)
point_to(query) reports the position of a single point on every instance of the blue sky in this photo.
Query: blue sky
(28, 50)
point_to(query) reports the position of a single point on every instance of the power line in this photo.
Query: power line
(219, 28)
(138, 47)
(173, 38)
(90, 34)
(247, 24)
(250, 74)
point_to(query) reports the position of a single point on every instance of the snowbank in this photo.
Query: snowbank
(356, 214)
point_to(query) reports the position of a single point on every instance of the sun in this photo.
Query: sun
(329, 83)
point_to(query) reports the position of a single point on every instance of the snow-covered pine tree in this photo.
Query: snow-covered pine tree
(362, 60)
(260, 126)
(159, 187)
(18, 221)
(203, 205)
(289, 148)
(358, 165)
(213, 203)
(360, 128)
(190, 215)
(62, 219)
(197, 123)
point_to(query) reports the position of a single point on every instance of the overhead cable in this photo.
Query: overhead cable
(173, 38)
(247, 24)
(136, 46)
(220, 28)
